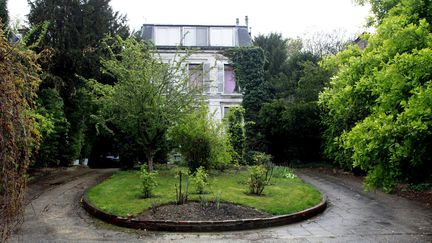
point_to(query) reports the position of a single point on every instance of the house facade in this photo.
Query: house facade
(207, 65)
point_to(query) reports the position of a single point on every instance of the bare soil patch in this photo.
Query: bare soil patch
(196, 211)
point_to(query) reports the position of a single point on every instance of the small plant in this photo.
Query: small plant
(420, 187)
(283, 172)
(203, 201)
(200, 180)
(148, 180)
(217, 200)
(261, 174)
(181, 194)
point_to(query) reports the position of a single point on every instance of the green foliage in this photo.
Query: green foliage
(378, 106)
(55, 143)
(181, 192)
(19, 134)
(200, 178)
(148, 181)
(71, 31)
(283, 172)
(259, 178)
(4, 14)
(237, 134)
(260, 158)
(290, 122)
(148, 97)
(292, 130)
(248, 64)
(260, 173)
(202, 141)
(275, 51)
(420, 187)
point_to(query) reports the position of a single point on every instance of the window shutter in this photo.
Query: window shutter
(220, 77)
(206, 74)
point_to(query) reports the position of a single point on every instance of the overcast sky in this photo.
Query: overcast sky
(289, 17)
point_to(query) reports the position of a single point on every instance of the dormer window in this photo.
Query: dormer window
(195, 36)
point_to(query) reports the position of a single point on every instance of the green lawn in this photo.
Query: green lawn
(121, 193)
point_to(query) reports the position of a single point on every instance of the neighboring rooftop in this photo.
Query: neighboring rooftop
(199, 36)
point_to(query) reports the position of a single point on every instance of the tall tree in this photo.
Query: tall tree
(275, 51)
(74, 33)
(149, 96)
(290, 121)
(4, 14)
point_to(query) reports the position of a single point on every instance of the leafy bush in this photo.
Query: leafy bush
(237, 134)
(259, 178)
(260, 158)
(420, 187)
(55, 149)
(200, 180)
(377, 108)
(202, 141)
(261, 173)
(148, 181)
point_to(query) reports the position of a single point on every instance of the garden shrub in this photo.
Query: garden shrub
(377, 108)
(259, 178)
(148, 180)
(202, 141)
(200, 180)
(260, 174)
(237, 134)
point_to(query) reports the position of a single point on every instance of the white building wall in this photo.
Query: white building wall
(216, 99)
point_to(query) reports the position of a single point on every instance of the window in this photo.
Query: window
(167, 36)
(189, 36)
(221, 37)
(195, 36)
(230, 85)
(226, 111)
(196, 78)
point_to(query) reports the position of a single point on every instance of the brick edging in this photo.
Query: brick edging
(203, 226)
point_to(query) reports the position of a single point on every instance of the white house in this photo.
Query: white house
(207, 64)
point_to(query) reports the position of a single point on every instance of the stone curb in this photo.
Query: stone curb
(203, 226)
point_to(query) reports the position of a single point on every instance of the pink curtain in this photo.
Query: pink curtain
(229, 79)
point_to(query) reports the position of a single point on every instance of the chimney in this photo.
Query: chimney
(247, 21)
(237, 21)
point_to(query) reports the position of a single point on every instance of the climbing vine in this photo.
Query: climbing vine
(248, 65)
(19, 133)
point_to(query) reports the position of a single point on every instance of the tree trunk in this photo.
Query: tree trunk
(150, 161)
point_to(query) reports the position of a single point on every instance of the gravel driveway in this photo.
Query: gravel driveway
(54, 214)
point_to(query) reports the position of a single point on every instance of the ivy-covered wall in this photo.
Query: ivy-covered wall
(248, 65)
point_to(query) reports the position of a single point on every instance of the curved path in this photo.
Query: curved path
(55, 215)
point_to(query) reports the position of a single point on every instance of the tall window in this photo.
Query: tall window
(196, 75)
(230, 85)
